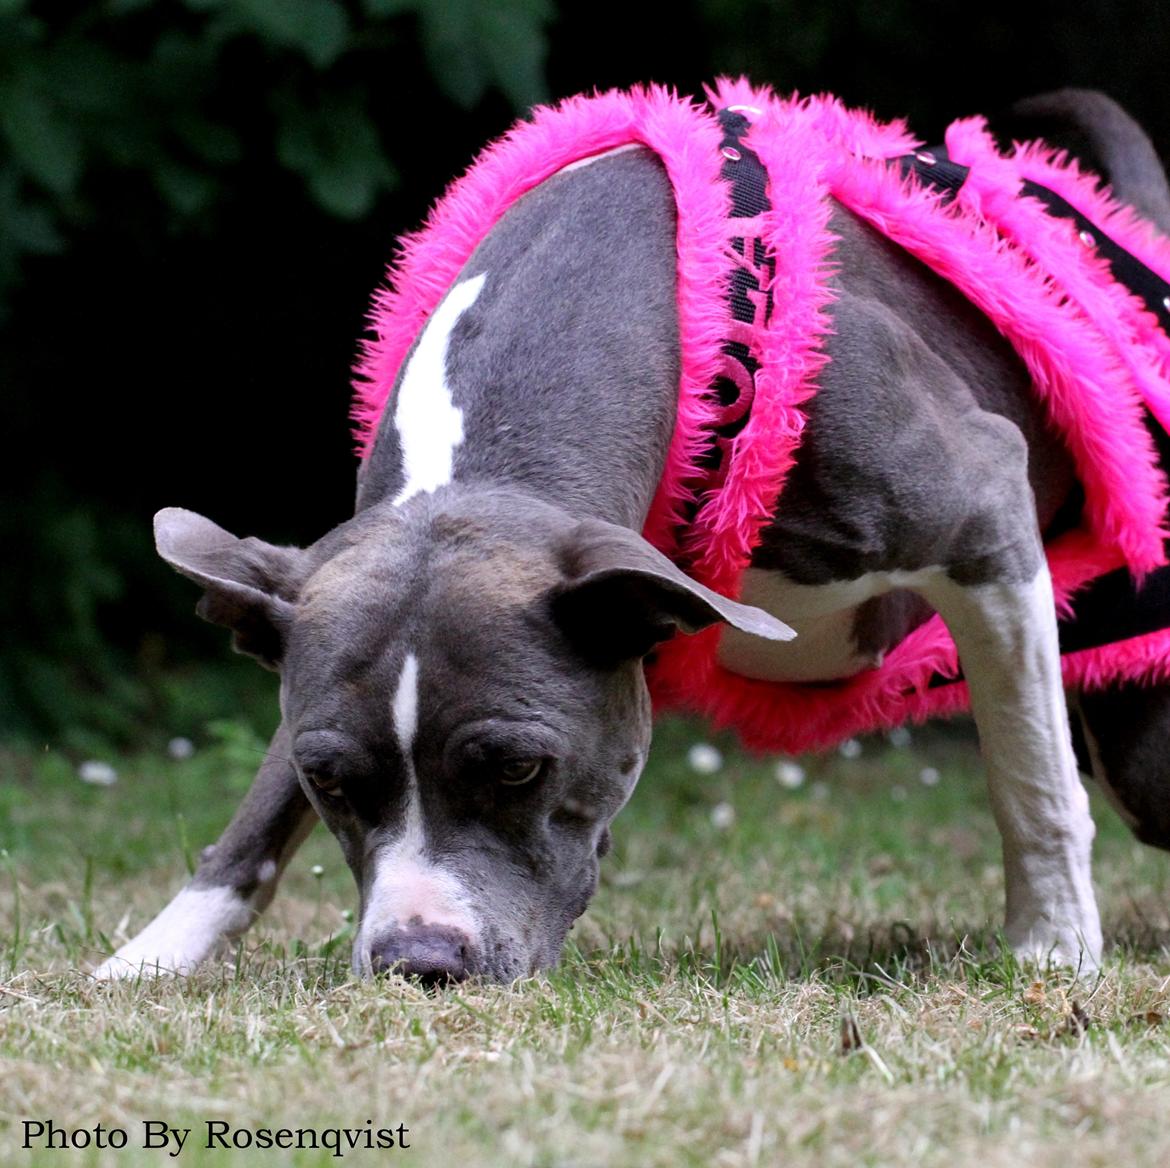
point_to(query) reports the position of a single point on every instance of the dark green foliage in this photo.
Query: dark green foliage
(180, 95)
(126, 127)
(84, 664)
(471, 46)
(197, 196)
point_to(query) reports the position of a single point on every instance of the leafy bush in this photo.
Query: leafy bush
(183, 94)
(124, 124)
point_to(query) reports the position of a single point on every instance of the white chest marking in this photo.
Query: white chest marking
(430, 425)
(823, 617)
(403, 886)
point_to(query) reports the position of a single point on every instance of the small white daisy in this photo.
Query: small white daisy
(704, 758)
(723, 815)
(180, 748)
(790, 774)
(101, 774)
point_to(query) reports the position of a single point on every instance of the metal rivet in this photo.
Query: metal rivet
(745, 109)
(926, 158)
(1087, 238)
(731, 153)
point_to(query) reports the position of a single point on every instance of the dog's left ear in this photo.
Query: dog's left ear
(249, 586)
(623, 597)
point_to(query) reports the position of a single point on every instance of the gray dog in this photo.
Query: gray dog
(462, 690)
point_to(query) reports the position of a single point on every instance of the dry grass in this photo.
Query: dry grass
(816, 983)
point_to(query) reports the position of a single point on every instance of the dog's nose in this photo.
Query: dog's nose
(433, 954)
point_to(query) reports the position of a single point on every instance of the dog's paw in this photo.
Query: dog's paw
(1044, 946)
(186, 933)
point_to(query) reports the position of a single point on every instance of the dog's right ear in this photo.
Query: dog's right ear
(249, 586)
(622, 597)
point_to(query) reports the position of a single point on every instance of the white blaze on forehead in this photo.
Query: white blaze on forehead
(406, 707)
(406, 886)
(405, 711)
(430, 425)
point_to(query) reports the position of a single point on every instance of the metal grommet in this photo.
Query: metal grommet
(926, 158)
(730, 153)
(1087, 238)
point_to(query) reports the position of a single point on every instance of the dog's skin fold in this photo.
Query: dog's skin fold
(462, 689)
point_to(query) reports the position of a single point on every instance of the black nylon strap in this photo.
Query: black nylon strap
(747, 180)
(742, 168)
(934, 168)
(1113, 608)
(1127, 269)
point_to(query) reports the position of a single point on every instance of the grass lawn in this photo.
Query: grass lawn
(767, 976)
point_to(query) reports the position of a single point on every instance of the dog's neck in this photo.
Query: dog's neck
(552, 365)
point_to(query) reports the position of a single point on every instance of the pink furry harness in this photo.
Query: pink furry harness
(1096, 354)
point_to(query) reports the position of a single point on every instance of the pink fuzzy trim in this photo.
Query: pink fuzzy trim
(788, 348)
(1077, 378)
(1141, 239)
(1114, 462)
(1003, 255)
(1094, 353)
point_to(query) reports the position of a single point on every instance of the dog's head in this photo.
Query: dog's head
(461, 679)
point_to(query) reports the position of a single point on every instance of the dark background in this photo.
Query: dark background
(196, 200)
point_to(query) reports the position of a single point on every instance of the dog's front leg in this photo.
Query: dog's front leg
(235, 880)
(1007, 641)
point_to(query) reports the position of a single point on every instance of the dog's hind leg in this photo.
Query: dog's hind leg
(235, 880)
(1127, 734)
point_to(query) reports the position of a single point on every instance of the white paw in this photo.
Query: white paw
(188, 931)
(1043, 945)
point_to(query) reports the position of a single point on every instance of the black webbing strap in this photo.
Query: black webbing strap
(744, 173)
(747, 180)
(1127, 270)
(934, 168)
(1113, 608)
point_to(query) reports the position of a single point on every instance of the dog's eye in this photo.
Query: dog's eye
(324, 781)
(521, 770)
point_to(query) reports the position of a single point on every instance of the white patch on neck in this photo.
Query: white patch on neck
(430, 425)
(824, 617)
(407, 887)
